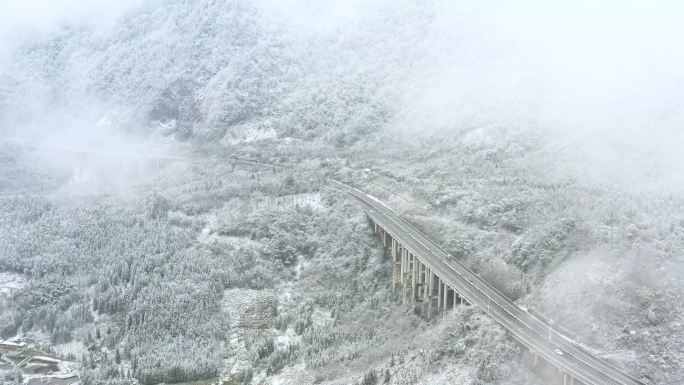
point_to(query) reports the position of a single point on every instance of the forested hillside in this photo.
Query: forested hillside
(135, 288)
(214, 70)
(218, 253)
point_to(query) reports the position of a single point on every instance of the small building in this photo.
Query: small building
(44, 360)
(12, 347)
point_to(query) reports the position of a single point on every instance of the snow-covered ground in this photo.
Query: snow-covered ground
(9, 284)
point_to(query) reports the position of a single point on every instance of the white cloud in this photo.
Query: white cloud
(21, 20)
(606, 77)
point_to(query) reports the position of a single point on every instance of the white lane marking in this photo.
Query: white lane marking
(403, 229)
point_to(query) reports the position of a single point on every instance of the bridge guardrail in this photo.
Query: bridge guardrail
(547, 329)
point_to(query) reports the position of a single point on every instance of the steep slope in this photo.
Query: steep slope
(213, 70)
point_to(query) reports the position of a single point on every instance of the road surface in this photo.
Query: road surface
(532, 332)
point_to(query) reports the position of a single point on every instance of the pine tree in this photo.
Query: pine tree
(370, 378)
(84, 361)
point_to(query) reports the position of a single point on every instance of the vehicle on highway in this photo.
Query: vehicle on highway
(558, 351)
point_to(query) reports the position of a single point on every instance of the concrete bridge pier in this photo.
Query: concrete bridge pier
(412, 281)
(421, 286)
(393, 266)
(440, 294)
(407, 282)
(430, 293)
(418, 283)
(402, 268)
(568, 379)
(404, 275)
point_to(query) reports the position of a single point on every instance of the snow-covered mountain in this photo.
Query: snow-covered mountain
(214, 70)
(538, 143)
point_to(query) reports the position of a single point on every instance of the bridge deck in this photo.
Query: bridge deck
(529, 330)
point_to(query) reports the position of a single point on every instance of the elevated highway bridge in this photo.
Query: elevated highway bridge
(422, 272)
